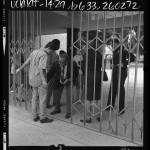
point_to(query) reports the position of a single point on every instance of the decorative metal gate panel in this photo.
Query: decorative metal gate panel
(96, 28)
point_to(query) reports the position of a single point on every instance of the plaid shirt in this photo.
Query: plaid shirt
(38, 59)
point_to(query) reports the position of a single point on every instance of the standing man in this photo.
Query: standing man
(62, 71)
(51, 58)
(37, 78)
(115, 75)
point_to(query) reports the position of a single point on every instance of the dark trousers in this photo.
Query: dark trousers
(57, 96)
(50, 89)
(115, 79)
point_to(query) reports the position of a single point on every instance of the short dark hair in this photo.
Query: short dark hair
(64, 55)
(53, 45)
(61, 52)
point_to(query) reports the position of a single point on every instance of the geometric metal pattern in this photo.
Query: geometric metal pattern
(25, 41)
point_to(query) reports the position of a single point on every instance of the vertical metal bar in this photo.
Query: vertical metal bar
(128, 73)
(25, 73)
(37, 29)
(26, 47)
(119, 73)
(87, 37)
(19, 49)
(40, 28)
(111, 84)
(33, 31)
(95, 57)
(101, 92)
(9, 23)
(135, 79)
(71, 84)
(14, 58)
(80, 53)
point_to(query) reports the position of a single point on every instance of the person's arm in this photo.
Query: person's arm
(75, 73)
(43, 76)
(25, 64)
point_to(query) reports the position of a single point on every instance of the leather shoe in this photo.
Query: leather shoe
(48, 106)
(67, 115)
(46, 120)
(98, 119)
(55, 112)
(87, 121)
(36, 119)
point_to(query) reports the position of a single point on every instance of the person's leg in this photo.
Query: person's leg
(75, 93)
(122, 90)
(57, 96)
(88, 115)
(34, 102)
(42, 101)
(49, 93)
(68, 90)
(113, 87)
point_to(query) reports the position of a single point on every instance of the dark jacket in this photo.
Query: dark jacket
(91, 61)
(56, 71)
(125, 57)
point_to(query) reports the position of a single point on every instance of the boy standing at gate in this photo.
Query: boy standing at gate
(38, 80)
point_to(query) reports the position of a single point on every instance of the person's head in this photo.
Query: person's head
(63, 59)
(61, 52)
(115, 39)
(53, 45)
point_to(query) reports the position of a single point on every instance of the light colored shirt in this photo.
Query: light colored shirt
(38, 59)
(77, 59)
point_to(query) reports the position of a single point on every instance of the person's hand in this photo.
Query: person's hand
(17, 70)
(66, 82)
(45, 84)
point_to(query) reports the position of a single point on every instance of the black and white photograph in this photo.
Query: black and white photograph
(75, 76)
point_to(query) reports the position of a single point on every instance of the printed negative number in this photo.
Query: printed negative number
(60, 4)
(91, 6)
(111, 6)
(118, 5)
(49, 3)
(135, 6)
(123, 6)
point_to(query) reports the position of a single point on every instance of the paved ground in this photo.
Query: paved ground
(21, 124)
(24, 132)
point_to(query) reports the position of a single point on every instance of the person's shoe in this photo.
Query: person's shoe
(46, 120)
(17, 98)
(55, 112)
(48, 106)
(22, 100)
(36, 119)
(98, 119)
(108, 109)
(67, 115)
(87, 121)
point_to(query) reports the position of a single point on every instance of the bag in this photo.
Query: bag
(105, 77)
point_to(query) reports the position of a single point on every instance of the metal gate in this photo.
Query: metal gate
(96, 29)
